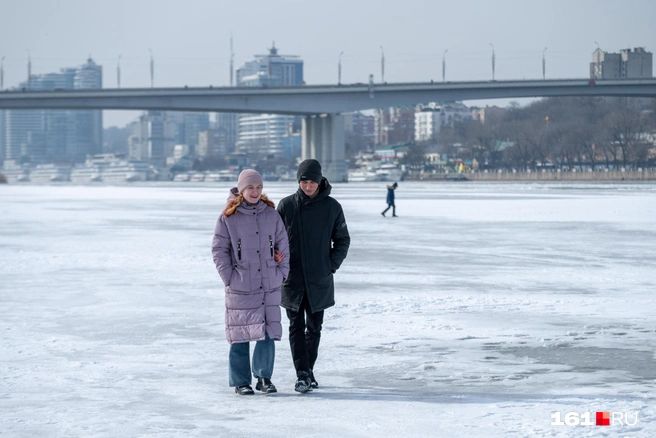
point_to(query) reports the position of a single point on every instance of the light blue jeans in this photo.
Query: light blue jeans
(239, 367)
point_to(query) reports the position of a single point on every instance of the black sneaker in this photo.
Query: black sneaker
(303, 383)
(265, 385)
(313, 382)
(244, 390)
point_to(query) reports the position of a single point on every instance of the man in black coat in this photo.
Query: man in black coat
(318, 244)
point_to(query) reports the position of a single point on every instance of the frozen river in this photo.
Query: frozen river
(483, 310)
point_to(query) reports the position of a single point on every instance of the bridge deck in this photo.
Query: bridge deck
(316, 99)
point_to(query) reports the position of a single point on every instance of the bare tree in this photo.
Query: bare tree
(415, 158)
(567, 130)
(452, 139)
(521, 154)
(624, 127)
(483, 137)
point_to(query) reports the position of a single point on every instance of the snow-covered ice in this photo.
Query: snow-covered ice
(482, 310)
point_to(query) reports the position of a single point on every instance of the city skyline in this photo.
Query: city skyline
(52, 135)
(412, 42)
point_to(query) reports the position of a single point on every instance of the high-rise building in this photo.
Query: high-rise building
(194, 123)
(228, 123)
(430, 119)
(155, 133)
(153, 137)
(262, 135)
(21, 144)
(361, 130)
(292, 145)
(212, 143)
(87, 126)
(628, 64)
(2, 136)
(56, 135)
(395, 125)
(272, 70)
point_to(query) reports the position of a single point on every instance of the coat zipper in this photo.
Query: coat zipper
(239, 249)
(271, 244)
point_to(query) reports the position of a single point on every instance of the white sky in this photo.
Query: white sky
(190, 39)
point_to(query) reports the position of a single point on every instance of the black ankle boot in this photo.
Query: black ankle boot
(244, 390)
(313, 382)
(264, 384)
(303, 383)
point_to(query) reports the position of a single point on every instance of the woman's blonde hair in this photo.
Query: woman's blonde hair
(231, 206)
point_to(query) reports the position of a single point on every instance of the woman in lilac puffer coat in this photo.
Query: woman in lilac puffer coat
(251, 253)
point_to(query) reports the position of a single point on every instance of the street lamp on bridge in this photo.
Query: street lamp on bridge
(118, 72)
(29, 69)
(152, 69)
(232, 63)
(444, 65)
(339, 69)
(544, 65)
(598, 69)
(382, 64)
(492, 45)
(2, 73)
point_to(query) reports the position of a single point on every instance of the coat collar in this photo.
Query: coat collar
(244, 208)
(324, 191)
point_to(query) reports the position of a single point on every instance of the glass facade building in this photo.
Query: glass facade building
(261, 135)
(41, 136)
(2, 136)
(153, 136)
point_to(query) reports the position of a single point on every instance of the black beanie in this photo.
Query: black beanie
(309, 170)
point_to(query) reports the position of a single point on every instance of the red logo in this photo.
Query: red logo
(603, 418)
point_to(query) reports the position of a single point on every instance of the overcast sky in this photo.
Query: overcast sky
(190, 39)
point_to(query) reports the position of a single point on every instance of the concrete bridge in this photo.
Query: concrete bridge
(323, 127)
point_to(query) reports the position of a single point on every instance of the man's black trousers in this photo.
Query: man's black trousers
(304, 336)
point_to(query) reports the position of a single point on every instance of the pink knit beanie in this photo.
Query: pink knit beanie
(248, 177)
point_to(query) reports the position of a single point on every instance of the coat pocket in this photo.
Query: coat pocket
(323, 282)
(275, 275)
(240, 280)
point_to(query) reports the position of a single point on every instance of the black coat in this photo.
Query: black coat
(318, 243)
(390, 195)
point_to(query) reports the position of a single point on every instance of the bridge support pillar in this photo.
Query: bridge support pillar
(323, 139)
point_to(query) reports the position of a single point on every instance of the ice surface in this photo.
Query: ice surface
(480, 311)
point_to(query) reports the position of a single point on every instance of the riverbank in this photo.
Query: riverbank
(600, 176)
(544, 175)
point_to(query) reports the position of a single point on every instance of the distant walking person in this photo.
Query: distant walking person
(318, 243)
(251, 253)
(390, 200)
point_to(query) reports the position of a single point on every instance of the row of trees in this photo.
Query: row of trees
(564, 132)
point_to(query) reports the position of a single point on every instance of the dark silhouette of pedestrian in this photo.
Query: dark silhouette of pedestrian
(390, 200)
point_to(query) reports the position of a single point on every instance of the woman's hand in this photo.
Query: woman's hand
(278, 256)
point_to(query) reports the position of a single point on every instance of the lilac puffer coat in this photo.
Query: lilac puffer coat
(243, 248)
